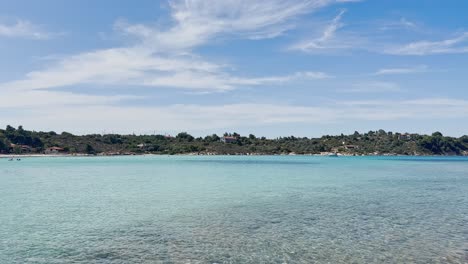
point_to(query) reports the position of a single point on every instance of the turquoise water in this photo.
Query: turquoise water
(238, 209)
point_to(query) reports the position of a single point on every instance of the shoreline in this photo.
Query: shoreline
(8, 156)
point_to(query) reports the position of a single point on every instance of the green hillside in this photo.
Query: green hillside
(21, 141)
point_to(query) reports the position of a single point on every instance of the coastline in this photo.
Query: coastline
(4, 156)
(7, 156)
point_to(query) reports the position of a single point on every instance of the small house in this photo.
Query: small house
(228, 139)
(405, 136)
(54, 150)
(351, 147)
(21, 148)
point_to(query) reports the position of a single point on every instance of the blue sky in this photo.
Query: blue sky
(272, 68)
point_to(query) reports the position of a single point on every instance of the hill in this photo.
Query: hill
(21, 141)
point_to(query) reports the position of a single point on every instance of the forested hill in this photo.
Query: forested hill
(21, 141)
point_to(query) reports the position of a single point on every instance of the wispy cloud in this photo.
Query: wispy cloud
(409, 109)
(252, 19)
(133, 66)
(23, 29)
(378, 38)
(403, 23)
(164, 57)
(197, 22)
(455, 45)
(281, 79)
(325, 40)
(406, 70)
(56, 99)
(373, 87)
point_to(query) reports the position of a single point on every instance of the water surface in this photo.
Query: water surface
(236, 209)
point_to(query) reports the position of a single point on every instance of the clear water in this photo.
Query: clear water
(182, 209)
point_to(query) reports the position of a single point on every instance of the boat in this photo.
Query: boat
(332, 155)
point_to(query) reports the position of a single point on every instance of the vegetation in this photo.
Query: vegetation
(20, 141)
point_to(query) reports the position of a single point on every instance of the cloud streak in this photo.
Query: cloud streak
(57, 100)
(374, 87)
(455, 45)
(326, 40)
(408, 70)
(403, 23)
(23, 29)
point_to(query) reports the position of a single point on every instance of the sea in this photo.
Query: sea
(234, 209)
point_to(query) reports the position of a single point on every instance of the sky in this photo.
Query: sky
(268, 67)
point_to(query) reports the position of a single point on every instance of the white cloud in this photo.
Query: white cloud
(112, 66)
(280, 79)
(135, 66)
(22, 29)
(449, 46)
(331, 39)
(163, 57)
(166, 118)
(326, 40)
(193, 118)
(374, 87)
(253, 19)
(197, 22)
(408, 70)
(446, 108)
(41, 98)
(403, 23)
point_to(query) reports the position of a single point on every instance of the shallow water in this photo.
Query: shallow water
(238, 209)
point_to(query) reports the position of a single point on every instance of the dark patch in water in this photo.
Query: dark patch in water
(103, 255)
(254, 227)
(311, 218)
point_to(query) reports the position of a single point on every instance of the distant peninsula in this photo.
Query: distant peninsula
(18, 141)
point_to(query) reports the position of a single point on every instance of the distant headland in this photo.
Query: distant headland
(18, 141)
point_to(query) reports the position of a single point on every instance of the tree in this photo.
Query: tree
(3, 145)
(37, 143)
(90, 149)
(10, 129)
(66, 134)
(464, 139)
(437, 144)
(185, 136)
(212, 138)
